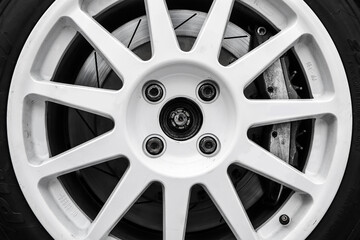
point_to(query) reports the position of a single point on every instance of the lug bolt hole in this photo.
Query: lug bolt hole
(208, 145)
(270, 89)
(154, 92)
(154, 146)
(274, 134)
(207, 91)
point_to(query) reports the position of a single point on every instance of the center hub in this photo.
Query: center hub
(181, 119)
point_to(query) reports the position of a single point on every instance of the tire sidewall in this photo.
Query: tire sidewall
(342, 20)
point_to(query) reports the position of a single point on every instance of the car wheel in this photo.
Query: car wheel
(213, 119)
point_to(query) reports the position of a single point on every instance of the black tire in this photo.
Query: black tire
(17, 19)
(342, 20)
(340, 17)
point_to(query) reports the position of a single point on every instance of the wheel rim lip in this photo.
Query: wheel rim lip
(50, 221)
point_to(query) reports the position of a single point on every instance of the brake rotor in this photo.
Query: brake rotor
(203, 215)
(135, 35)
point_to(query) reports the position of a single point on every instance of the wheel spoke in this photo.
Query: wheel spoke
(129, 189)
(95, 151)
(225, 198)
(93, 100)
(163, 38)
(122, 60)
(249, 67)
(175, 211)
(264, 112)
(211, 36)
(264, 163)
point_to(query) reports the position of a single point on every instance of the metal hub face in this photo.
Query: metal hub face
(181, 119)
(181, 165)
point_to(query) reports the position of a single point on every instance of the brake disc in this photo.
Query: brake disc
(135, 35)
(281, 139)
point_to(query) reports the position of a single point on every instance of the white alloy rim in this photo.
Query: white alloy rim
(299, 28)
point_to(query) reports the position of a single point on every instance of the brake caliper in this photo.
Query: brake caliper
(276, 84)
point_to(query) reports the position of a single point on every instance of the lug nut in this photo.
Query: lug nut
(207, 92)
(154, 92)
(208, 145)
(154, 146)
(284, 219)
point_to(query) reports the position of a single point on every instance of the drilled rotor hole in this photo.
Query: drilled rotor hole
(274, 134)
